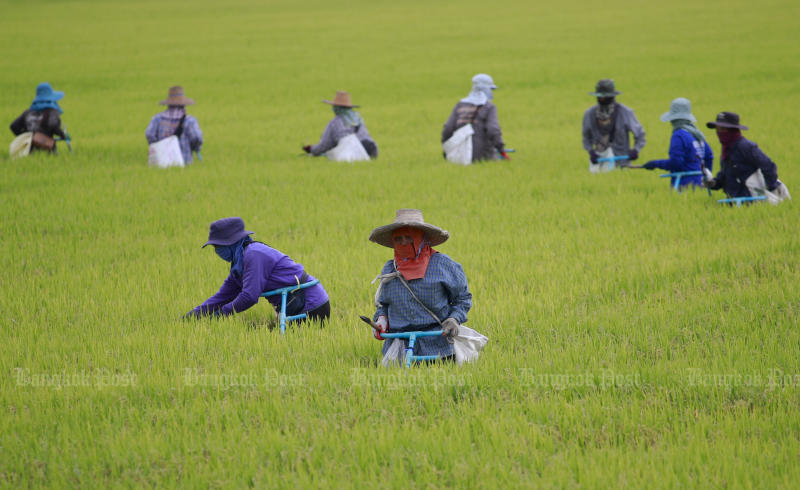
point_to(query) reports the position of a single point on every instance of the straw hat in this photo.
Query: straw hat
(679, 108)
(176, 97)
(382, 235)
(342, 99)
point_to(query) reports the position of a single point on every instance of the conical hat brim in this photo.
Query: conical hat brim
(382, 235)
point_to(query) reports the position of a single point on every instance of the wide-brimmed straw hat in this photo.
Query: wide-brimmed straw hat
(726, 120)
(226, 231)
(342, 99)
(382, 235)
(679, 108)
(45, 93)
(605, 88)
(176, 97)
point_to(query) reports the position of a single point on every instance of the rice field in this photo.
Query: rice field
(638, 337)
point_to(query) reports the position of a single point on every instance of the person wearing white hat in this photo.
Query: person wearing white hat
(421, 288)
(688, 148)
(478, 110)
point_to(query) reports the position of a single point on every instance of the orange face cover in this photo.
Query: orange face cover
(412, 258)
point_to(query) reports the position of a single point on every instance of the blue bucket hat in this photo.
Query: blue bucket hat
(226, 231)
(45, 93)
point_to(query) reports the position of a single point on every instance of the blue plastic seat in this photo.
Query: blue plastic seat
(740, 200)
(284, 292)
(679, 175)
(412, 339)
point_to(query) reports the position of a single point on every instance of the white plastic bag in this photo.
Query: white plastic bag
(166, 153)
(602, 167)
(349, 149)
(758, 187)
(468, 344)
(21, 146)
(395, 354)
(458, 149)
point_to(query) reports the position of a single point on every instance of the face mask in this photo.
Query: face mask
(225, 253)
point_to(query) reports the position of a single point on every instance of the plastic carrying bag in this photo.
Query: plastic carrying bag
(458, 149)
(21, 146)
(602, 167)
(758, 187)
(349, 149)
(166, 153)
(468, 344)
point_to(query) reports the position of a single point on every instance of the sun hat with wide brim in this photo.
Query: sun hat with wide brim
(226, 231)
(176, 96)
(726, 120)
(382, 235)
(45, 93)
(679, 108)
(605, 88)
(342, 99)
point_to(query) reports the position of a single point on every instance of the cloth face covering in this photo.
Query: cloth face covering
(411, 259)
(233, 254)
(351, 117)
(481, 93)
(727, 139)
(605, 118)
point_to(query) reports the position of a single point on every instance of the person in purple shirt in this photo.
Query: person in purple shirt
(255, 269)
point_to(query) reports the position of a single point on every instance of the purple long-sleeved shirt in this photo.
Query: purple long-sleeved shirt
(264, 269)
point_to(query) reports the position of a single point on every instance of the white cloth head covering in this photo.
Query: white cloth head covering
(482, 86)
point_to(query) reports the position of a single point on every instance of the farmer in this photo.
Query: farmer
(345, 122)
(437, 281)
(175, 121)
(477, 109)
(255, 269)
(42, 119)
(688, 149)
(607, 124)
(745, 171)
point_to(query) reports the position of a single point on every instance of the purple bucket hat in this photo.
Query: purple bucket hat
(226, 231)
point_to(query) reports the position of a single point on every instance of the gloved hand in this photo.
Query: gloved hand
(710, 183)
(504, 155)
(450, 329)
(383, 322)
(592, 156)
(651, 165)
(307, 148)
(633, 155)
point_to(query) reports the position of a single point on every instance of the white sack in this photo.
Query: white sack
(166, 153)
(349, 149)
(458, 149)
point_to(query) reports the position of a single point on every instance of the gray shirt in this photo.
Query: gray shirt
(625, 122)
(338, 129)
(488, 135)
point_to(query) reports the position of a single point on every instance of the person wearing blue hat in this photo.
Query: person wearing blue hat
(42, 118)
(688, 148)
(255, 269)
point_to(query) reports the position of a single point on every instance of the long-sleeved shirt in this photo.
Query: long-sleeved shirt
(47, 121)
(743, 159)
(626, 122)
(337, 129)
(488, 136)
(264, 269)
(686, 154)
(163, 126)
(443, 290)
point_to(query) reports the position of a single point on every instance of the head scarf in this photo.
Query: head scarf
(234, 254)
(350, 117)
(411, 259)
(690, 127)
(728, 138)
(40, 105)
(481, 92)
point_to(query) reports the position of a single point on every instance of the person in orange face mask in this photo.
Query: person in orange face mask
(441, 297)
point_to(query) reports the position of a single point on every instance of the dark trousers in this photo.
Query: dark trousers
(320, 313)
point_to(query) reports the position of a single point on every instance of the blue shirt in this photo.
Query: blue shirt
(443, 290)
(164, 124)
(686, 154)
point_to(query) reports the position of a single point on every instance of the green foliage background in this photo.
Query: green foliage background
(637, 337)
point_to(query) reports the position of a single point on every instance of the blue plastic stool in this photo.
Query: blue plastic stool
(284, 292)
(740, 200)
(679, 175)
(412, 339)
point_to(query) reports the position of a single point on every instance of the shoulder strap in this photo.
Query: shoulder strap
(400, 276)
(179, 129)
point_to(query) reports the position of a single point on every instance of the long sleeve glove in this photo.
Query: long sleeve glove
(592, 156)
(450, 328)
(384, 324)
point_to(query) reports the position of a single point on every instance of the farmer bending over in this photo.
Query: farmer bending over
(42, 119)
(173, 120)
(437, 281)
(346, 122)
(256, 269)
(745, 171)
